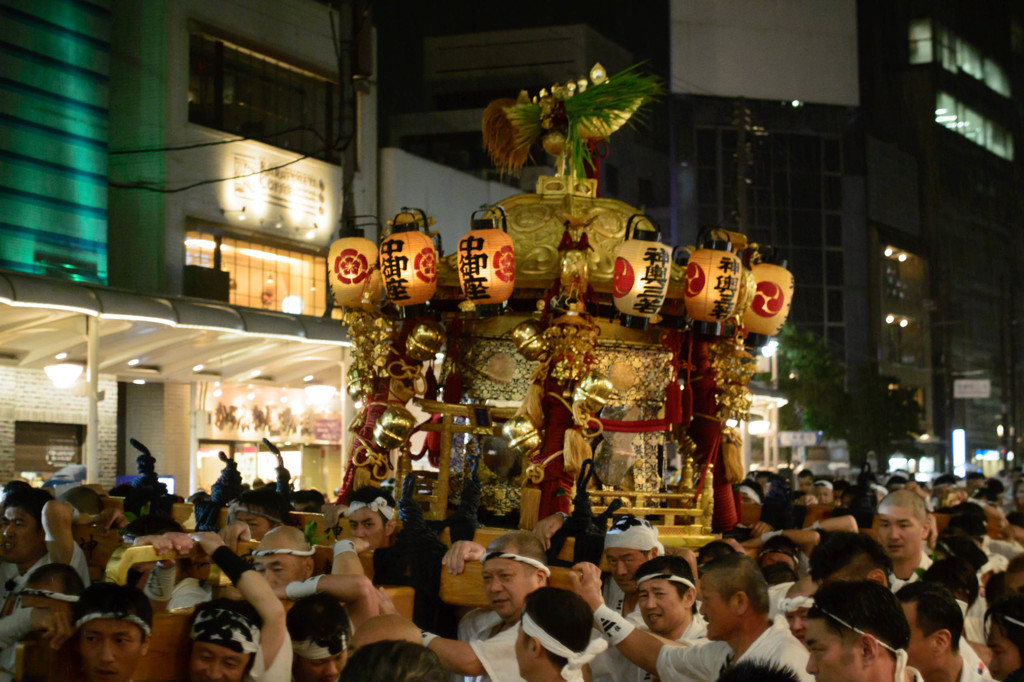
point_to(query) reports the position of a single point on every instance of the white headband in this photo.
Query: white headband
(297, 552)
(879, 488)
(630, 532)
(823, 484)
(237, 507)
(901, 654)
(131, 618)
(379, 505)
(516, 557)
(750, 491)
(311, 650)
(665, 576)
(576, 659)
(49, 594)
(791, 604)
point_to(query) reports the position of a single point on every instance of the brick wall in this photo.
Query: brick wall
(28, 395)
(157, 415)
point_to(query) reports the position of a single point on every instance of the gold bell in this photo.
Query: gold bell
(356, 388)
(425, 341)
(593, 392)
(393, 427)
(528, 339)
(521, 434)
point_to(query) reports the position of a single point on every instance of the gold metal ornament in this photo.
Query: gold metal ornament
(522, 435)
(393, 427)
(528, 338)
(593, 392)
(425, 341)
(356, 388)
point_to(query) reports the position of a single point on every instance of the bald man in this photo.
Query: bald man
(902, 520)
(390, 626)
(285, 560)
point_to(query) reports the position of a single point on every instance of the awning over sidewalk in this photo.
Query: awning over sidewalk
(161, 338)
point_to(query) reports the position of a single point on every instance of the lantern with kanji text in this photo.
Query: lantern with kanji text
(642, 269)
(711, 286)
(770, 307)
(408, 262)
(350, 270)
(486, 263)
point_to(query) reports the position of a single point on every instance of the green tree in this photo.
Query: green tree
(869, 411)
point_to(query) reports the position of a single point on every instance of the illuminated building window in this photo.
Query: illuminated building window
(921, 41)
(967, 122)
(933, 42)
(239, 91)
(264, 276)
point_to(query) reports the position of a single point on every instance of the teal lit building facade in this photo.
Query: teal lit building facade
(54, 103)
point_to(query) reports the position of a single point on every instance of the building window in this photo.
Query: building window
(264, 276)
(961, 119)
(921, 41)
(928, 44)
(238, 91)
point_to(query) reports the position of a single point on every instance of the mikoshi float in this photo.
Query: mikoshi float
(559, 330)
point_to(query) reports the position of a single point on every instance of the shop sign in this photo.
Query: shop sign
(284, 414)
(972, 388)
(327, 428)
(797, 438)
(40, 446)
(284, 187)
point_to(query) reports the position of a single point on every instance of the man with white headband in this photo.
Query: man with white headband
(261, 510)
(514, 565)
(935, 648)
(823, 490)
(793, 607)
(371, 516)
(43, 605)
(667, 599)
(236, 640)
(856, 632)
(114, 623)
(319, 629)
(734, 602)
(285, 559)
(554, 640)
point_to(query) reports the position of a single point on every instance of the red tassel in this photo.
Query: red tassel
(584, 243)
(566, 243)
(430, 390)
(673, 403)
(453, 386)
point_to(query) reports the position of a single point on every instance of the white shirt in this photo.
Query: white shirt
(896, 583)
(1006, 548)
(703, 663)
(607, 665)
(497, 654)
(279, 671)
(189, 592)
(974, 669)
(694, 635)
(9, 572)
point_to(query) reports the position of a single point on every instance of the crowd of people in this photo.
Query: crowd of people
(893, 580)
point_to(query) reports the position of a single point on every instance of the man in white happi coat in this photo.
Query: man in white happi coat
(936, 621)
(514, 565)
(856, 632)
(734, 603)
(554, 642)
(902, 522)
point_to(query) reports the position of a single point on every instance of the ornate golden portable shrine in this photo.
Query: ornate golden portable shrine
(565, 331)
